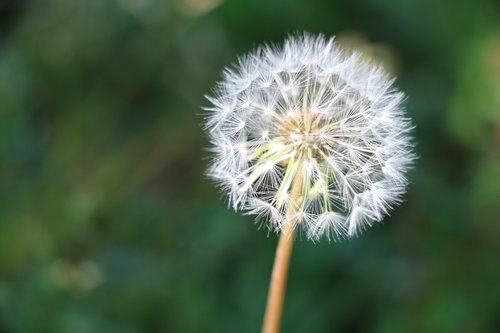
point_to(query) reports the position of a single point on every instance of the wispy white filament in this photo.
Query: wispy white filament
(309, 110)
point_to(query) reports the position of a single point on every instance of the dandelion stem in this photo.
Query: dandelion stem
(277, 286)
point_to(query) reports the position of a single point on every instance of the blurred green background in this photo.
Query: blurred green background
(107, 223)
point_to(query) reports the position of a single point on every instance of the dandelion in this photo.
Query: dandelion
(308, 136)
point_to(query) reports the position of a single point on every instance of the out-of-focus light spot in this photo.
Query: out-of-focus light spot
(494, 57)
(382, 53)
(197, 7)
(76, 277)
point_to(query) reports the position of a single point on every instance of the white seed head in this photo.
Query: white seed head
(312, 111)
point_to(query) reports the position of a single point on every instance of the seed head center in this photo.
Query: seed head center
(305, 134)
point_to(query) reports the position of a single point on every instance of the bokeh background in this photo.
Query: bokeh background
(107, 223)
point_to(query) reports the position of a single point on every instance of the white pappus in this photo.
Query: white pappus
(313, 111)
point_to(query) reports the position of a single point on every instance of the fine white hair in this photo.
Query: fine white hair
(311, 110)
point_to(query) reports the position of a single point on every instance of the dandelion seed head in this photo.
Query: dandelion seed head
(310, 110)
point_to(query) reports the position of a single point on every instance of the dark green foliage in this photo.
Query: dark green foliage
(107, 223)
